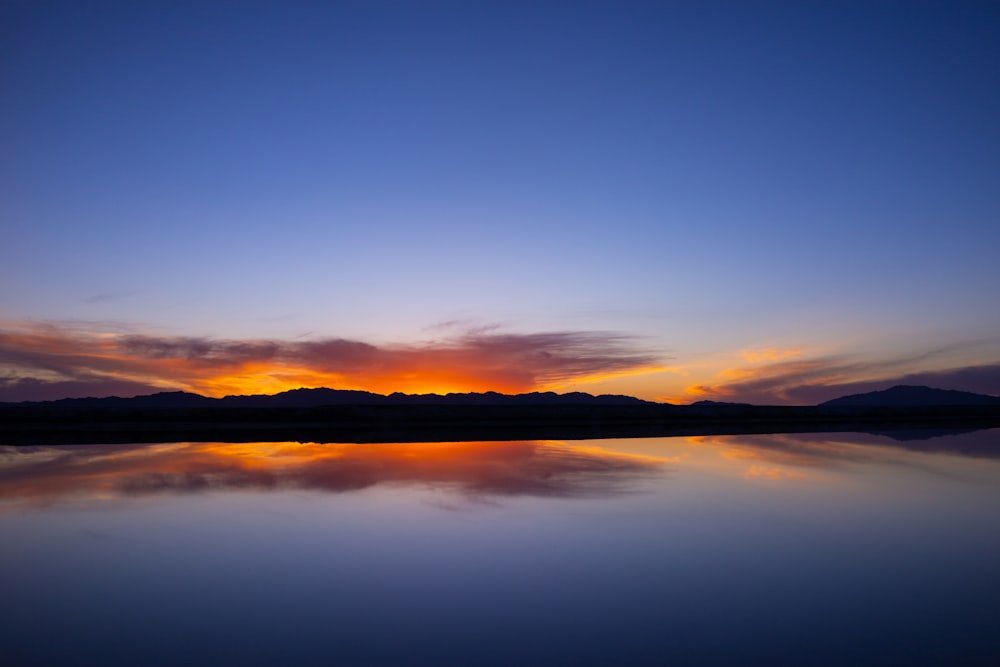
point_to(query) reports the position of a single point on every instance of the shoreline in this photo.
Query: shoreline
(34, 425)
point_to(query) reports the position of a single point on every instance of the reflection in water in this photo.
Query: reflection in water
(476, 468)
(831, 449)
(41, 474)
(816, 549)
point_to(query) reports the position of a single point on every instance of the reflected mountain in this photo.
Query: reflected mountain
(984, 443)
(41, 474)
(830, 449)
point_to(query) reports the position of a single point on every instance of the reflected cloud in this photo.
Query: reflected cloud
(831, 450)
(45, 361)
(41, 475)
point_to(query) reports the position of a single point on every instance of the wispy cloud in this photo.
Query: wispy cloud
(47, 361)
(755, 355)
(110, 296)
(785, 378)
(772, 473)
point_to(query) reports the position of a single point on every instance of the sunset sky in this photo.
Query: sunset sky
(774, 202)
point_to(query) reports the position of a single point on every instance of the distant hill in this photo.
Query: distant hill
(330, 415)
(913, 396)
(312, 398)
(319, 397)
(304, 398)
(163, 399)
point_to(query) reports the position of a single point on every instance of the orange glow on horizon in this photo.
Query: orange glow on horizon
(505, 363)
(46, 361)
(598, 378)
(260, 379)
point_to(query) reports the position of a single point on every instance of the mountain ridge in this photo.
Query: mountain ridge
(902, 395)
(303, 397)
(323, 396)
(311, 415)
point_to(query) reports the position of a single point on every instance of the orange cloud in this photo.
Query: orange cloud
(48, 361)
(769, 354)
(787, 379)
(772, 473)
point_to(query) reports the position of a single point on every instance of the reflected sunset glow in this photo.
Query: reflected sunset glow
(314, 554)
(44, 474)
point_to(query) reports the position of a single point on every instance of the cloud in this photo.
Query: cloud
(33, 389)
(47, 361)
(772, 473)
(110, 296)
(769, 354)
(812, 381)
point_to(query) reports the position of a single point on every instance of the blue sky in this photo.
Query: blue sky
(727, 195)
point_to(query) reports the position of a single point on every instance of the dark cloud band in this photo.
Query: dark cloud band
(44, 362)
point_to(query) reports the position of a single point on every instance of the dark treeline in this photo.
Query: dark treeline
(124, 421)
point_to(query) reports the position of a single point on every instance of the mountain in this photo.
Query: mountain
(304, 398)
(312, 398)
(533, 398)
(319, 397)
(163, 399)
(913, 396)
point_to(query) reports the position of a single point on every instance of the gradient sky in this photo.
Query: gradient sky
(777, 202)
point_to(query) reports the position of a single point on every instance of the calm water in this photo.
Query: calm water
(782, 550)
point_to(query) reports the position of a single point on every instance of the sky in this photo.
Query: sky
(770, 202)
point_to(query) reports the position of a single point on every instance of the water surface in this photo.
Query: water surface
(785, 549)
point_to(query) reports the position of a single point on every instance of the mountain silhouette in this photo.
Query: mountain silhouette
(312, 398)
(334, 415)
(304, 398)
(913, 396)
(163, 399)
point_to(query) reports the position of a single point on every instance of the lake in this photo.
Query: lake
(792, 549)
